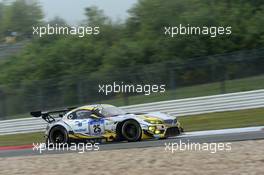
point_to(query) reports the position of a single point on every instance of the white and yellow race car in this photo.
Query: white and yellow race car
(106, 123)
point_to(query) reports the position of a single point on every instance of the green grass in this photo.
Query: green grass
(220, 120)
(22, 139)
(237, 85)
(223, 120)
(245, 84)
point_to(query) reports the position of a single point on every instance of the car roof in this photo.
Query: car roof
(90, 107)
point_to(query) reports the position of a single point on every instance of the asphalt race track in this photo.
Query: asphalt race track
(226, 135)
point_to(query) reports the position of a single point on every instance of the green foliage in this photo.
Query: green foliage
(1, 20)
(95, 16)
(19, 17)
(135, 51)
(139, 41)
(149, 17)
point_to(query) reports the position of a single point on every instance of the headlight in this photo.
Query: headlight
(154, 121)
(152, 128)
(157, 132)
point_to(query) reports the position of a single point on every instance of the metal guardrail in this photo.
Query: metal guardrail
(181, 107)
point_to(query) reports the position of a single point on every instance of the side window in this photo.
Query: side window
(72, 116)
(83, 114)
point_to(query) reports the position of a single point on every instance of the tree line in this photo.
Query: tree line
(138, 41)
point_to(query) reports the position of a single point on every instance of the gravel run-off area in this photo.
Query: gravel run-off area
(245, 157)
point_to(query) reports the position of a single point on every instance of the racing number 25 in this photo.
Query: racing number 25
(97, 129)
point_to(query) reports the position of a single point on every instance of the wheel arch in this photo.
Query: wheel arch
(65, 127)
(120, 125)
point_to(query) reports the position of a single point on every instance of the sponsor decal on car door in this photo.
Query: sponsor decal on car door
(96, 127)
(80, 126)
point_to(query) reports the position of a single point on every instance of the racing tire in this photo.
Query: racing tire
(131, 131)
(58, 135)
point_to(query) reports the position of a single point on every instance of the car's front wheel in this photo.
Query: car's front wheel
(58, 135)
(181, 129)
(131, 131)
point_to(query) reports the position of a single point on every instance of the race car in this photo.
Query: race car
(104, 122)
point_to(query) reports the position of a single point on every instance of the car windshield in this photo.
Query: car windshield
(110, 111)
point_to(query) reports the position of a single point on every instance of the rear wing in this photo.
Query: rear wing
(48, 115)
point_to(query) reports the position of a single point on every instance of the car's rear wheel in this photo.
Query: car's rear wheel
(131, 131)
(58, 135)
